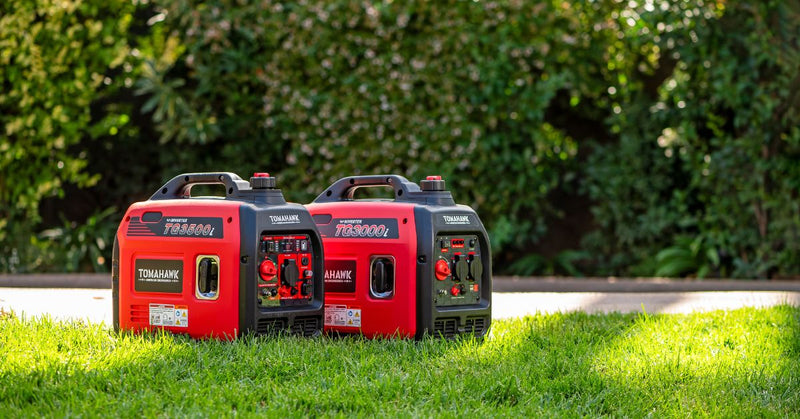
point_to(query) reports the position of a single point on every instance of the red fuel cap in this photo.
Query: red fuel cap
(261, 174)
(267, 270)
(433, 178)
(442, 269)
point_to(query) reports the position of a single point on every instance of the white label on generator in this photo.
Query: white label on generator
(341, 315)
(169, 315)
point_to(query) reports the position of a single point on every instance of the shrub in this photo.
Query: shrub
(618, 128)
(319, 90)
(713, 153)
(57, 59)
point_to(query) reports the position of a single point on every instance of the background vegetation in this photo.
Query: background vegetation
(607, 137)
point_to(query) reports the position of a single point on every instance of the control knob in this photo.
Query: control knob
(267, 270)
(442, 269)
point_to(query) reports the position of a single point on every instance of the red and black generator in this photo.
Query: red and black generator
(218, 266)
(414, 265)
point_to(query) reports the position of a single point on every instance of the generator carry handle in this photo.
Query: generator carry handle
(180, 186)
(344, 188)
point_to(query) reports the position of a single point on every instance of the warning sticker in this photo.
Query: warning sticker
(169, 315)
(341, 315)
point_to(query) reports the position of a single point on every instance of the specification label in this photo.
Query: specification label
(169, 315)
(341, 315)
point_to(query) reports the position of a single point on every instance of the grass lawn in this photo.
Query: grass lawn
(727, 363)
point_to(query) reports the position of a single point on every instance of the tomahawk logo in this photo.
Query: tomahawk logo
(285, 219)
(338, 274)
(456, 219)
(159, 273)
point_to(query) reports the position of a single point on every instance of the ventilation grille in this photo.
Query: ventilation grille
(270, 326)
(476, 326)
(306, 326)
(445, 327)
(140, 313)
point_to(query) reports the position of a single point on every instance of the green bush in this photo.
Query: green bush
(329, 89)
(476, 92)
(648, 124)
(713, 153)
(57, 59)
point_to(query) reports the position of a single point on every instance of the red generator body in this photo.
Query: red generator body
(414, 265)
(218, 267)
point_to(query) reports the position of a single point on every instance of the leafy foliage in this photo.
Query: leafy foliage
(70, 247)
(647, 122)
(319, 91)
(686, 257)
(56, 60)
(563, 263)
(712, 153)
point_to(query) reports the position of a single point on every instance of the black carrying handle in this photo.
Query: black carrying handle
(344, 188)
(180, 186)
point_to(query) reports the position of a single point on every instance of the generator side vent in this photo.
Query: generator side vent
(270, 326)
(140, 313)
(306, 326)
(445, 327)
(476, 326)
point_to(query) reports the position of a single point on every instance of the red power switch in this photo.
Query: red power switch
(455, 290)
(267, 270)
(442, 269)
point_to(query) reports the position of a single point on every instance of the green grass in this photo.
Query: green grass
(727, 363)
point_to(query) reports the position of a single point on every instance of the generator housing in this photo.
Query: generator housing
(218, 266)
(409, 266)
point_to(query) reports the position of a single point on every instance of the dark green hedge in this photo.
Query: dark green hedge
(707, 165)
(57, 61)
(603, 137)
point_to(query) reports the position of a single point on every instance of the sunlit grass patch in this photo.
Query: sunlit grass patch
(726, 363)
(740, 362)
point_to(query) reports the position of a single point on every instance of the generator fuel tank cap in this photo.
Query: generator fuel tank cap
(432, 183)
(262, 180)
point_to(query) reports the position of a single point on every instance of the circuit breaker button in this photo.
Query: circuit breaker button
(305, 289)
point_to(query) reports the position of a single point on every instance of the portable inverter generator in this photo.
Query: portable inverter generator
(409, 266)
(218, 267)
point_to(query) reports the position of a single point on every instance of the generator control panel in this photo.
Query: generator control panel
(285, 270)
(458, 270)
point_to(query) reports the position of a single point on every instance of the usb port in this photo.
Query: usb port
(458, 242)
